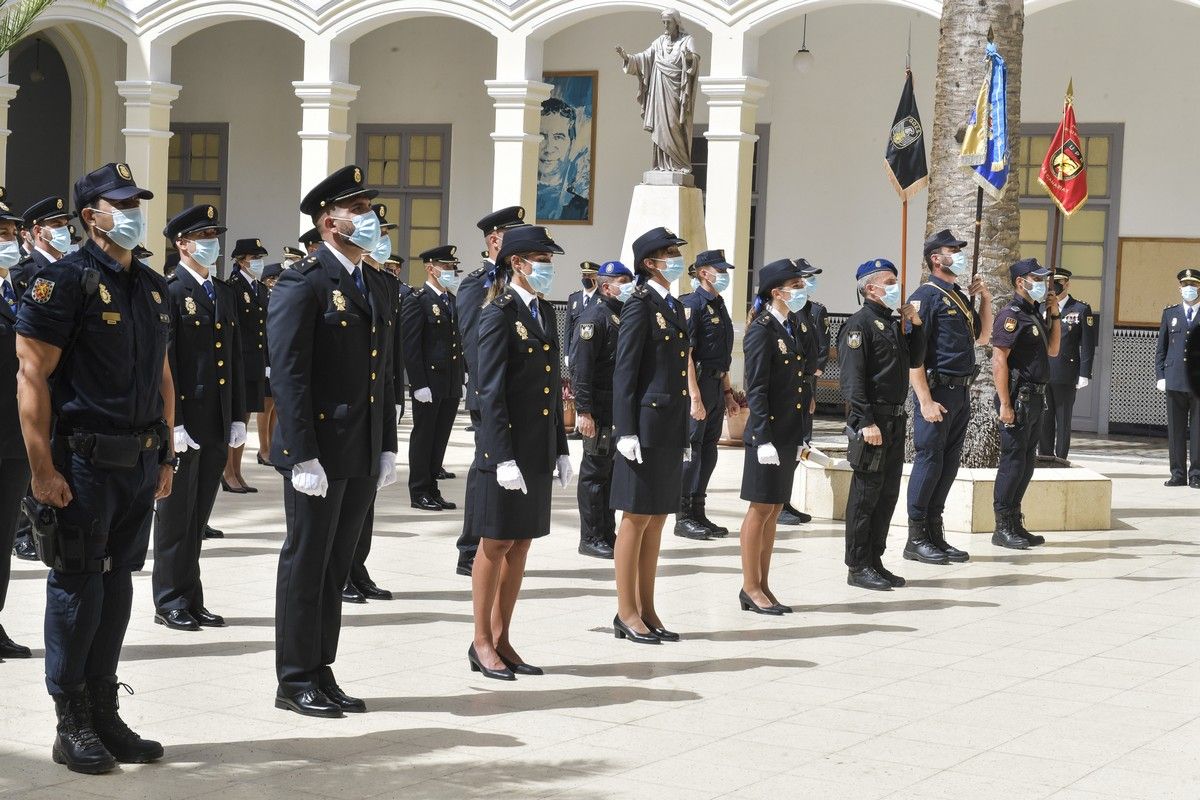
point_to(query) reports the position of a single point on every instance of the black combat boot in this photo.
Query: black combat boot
(77, 745)
(125, 745)
(919, 548)
(1006, 533)
(714, 530)
(1033, 538)
(686, 525)
(937, 534)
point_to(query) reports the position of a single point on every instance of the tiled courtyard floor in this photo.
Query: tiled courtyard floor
(1069, 672)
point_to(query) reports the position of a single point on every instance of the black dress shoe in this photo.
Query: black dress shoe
(213, 533)
(505, 674)
(747, 603)
(662, 633)
(426, 502)
(372, 592)
(469, 429)
(464, 568)
(442, 475)
(1194, 483)
(310, 703)
(623, 631)
(868, 578)
(351, 594)
(522, 668)
(1176, 482)
(226, 486)
(207, 619)
(791, 516)
(23, 549)
(10, 649)
(445, 504)
(351, 705)
(177, 619)
(596, 548)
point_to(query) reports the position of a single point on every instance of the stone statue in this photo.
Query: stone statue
(667, 71)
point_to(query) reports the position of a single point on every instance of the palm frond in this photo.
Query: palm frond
(18, 16)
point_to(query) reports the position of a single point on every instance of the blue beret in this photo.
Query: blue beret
(614, 269)
(875, 265)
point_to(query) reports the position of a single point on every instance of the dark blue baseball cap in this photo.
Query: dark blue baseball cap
(712, 258)
(875, 265)
(1027, 266)
(651, 241)
(113, 181)
(614, 269)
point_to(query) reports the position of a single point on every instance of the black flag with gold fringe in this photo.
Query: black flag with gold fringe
(905, 155)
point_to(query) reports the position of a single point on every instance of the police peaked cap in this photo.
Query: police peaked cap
(200, 217)
(526, 239)
(776, 274)
(248, 247)
(501, 219)
(443, 254)
(652, 241)
(50, 208)
(344, 184)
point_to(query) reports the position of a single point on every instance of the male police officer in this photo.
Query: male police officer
(330, 342)
(310, 240)
(710, 330)
(812, 323)
(1070, 370)
(251, 295)
(433, 358)
(1022, 348)
(594, 361)
(942, 393)
(468, 304)
(97, 321)
(48, 224)
(876, 355)
(1171, 366)
(210, 414)
(580, 301)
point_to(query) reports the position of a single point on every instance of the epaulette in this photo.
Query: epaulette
(417, 292)
(306, 265)
(641, 291)
(764, 318)
(479, 273)
(503, 299)
(174, 276)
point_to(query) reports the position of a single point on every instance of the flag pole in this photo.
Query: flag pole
(904, 249)
(991, 37)
(1062, 146)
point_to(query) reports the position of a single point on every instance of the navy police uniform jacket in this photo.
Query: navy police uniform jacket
(1076, 344)
(577, 303)
(775, 382)
(251, 299)
(814, 318)
(710, 331)
(23, 273)
(468, 303)
(520, 387)
(111, 380)
(952, 325)
(1170, 358)
(432, 351)
(331, 357)
(205, 358)
(595, 359)
(875, 356)
(1019, 328)
(650, 395)
(12, 444)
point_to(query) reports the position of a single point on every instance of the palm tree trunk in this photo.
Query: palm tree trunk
(961, 69)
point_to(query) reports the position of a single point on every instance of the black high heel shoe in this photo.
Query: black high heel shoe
(227, 487)
(521, 668)
(477, 666)
(248, 489)
(263, 461)
(623, 631)
(662, 633)
(781, 606)
(749, 605)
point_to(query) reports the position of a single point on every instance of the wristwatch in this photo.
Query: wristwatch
(172, 462)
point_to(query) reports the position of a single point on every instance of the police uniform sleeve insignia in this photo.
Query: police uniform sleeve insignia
(189, 305)
(339, 300)
(782, 346)
(105, 296)
(616, 320)
(1010, 324)
(854, 340)
(521, 330)
(687, 312)
(662, 322)
(157, 297)
(879, 324)
(1091, 321)
(586, 331)
(245, 297)
(41, 290)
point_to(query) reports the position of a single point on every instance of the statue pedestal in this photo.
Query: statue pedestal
(674, 207)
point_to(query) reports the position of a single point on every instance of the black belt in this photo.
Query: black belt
(1035, 388)
(941, 379)
(710, 372)
(888, 409)
(84, 442)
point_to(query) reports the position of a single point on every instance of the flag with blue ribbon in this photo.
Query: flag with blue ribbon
(985, 145)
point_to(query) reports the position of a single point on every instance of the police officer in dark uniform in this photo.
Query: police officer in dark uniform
(1070, 370)
(468, 303)
(710, 332)
(593, 362)
(1022, 348)
(210, 414)
(580, 301)
(1172, 362)
(876, 355)
(812, 325)
(433, 358)
(289, 256)
(14, 464)
(942, 393)
(330, 339)
(246, 281)
(100, 449)
(310, 240)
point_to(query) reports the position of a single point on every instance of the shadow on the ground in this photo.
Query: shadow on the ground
(1073, 557)
(664, 571)
(784, 634)
(1148, 513)
(488, 701)
(233, 552)
(1119, 542)
(985, 581)
(714, 551)
(543, 593)
(898, 606)
(364, 620)
(196, 648)
(648, 670)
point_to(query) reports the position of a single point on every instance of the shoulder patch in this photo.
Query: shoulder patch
(854, 340)
(42, 290)
(501, 301)
(307, 265)
(764, 319)
(687, 312)
(1010, 324)
(587, 330)
(641, 291)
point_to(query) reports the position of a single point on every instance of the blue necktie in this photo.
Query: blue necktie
(533, 311)
(10, 297)
(208, 289)
(449, 306)
(356, 273)
(787, 326)
(670, 302)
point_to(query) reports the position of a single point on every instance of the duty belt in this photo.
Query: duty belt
(83, 442)
(1035, 388)
(941, 379)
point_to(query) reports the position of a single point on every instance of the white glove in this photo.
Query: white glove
(565, 473)
(687, 455)
(268, 372)
(387, 470)
(509, 476)
(308, 477)
(1082, 382)
(1162, 384)
(423, 395)
(237, 434)
(767, 454)
(630, 447)
(183, 441)
(810, 453)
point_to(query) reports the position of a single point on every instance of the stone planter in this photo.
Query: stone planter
(731, 432)
(569, 415)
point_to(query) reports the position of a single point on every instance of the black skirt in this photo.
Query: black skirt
(651, 487)
(255, 392)
(767, 483)
(500, 513)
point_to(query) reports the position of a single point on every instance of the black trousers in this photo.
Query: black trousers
(1018, 456)
(432, 423)
(703, 436)
(873, 497)
(358, 568)
(1055, 439)
(596, 520)
(468, 540)
(314, 564)
(179, 528)
(1183, 434)
(14, 480)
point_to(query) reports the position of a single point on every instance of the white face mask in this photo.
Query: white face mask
(10, 254)
(1189, 293)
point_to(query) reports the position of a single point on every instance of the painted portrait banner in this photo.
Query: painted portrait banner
(567, 154)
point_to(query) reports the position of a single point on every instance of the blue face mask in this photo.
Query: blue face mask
(71, 248)
(129, 227)
(625, 291)
(674, 268)
(255, 267)
(207, 251)
(383, 250)
(366, 231)
(10, 254)
(796, 300)
(810, 284)
(1189, 293)
(449, 279)
(958, 263)
(541, 277)
(60, 239)
(721, 282)
(891, 296)
(695, 284)
(1037, 291)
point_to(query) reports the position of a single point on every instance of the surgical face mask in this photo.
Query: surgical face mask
(541, 277)
(10, 254)
(796, 300)
(625, 291)
(810, 284)
(129, 227)
(1189, 293)
(958, 263)
(255, 267)
(891, 296)
(59, 238)
(1037, 291)
(695, 284)
(366, 231)
(674, 268)
(721, 282)
(206, 251)
(383, 250)
(449, 279)
(71, 248)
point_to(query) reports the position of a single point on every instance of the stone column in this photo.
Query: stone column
(147, 134)
(7, 92)
(325, 97)
(517, 94)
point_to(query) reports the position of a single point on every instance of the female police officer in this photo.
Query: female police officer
(520, 442)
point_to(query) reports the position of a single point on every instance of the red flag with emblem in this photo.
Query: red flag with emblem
(1064, 173)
